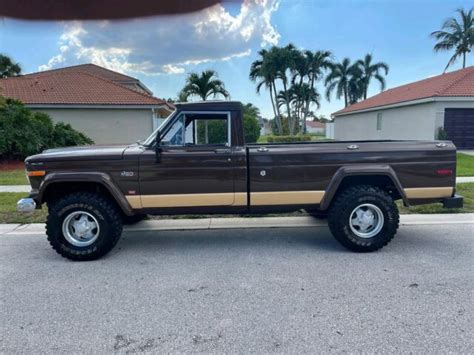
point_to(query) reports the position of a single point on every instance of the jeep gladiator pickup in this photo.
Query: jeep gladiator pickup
(198, 162)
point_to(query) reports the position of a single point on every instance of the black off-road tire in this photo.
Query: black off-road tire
(341, 210)
(128, 220)
(104, 210)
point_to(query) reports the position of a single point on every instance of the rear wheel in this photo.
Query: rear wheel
(83, 226)
(363, 218)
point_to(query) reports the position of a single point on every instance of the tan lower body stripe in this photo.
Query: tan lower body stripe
(285, 198)
(429, 192)
(226, 199)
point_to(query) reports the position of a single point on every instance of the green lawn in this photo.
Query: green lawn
(465, 165)
(13, 177)
(465, 190)
(8, 212)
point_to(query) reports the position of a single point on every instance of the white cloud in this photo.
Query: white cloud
(168, 44)
(172, 69)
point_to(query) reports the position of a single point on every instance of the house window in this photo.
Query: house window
(379, 121)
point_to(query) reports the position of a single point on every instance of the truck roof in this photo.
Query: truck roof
(209, 105)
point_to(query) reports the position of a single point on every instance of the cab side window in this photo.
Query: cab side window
(175, 134)
(198, 129)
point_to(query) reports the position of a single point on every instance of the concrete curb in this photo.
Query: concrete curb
(240, 223)
(464, 179)
(15, 188)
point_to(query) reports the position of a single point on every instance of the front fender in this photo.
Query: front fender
(89, 177)
(360, 170)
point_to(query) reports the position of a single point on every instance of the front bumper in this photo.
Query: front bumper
(26, 205)
(453, 202)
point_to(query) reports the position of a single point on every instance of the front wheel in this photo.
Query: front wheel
(83, 226)
(363, 218)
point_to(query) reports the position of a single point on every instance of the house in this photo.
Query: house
(316, 127)
(437, 107)
(265, 126)
(107, 106)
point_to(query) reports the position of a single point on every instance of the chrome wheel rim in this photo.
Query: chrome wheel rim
(366, 220)
(81, 229)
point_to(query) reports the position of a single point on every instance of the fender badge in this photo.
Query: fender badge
(127, 173)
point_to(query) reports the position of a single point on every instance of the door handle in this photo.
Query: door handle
(222, 151)
(262, 149)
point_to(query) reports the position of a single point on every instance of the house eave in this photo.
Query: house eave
(406, 103)
(89, 106)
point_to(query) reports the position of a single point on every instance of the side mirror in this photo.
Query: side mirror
(158, 151)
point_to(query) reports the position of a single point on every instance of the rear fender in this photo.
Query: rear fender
(360, 170)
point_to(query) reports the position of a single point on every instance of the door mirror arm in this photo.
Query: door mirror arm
(158, 148)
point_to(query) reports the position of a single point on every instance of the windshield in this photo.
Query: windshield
(151, 139)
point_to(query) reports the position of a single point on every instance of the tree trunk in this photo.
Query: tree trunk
(463, 60)
(278, 115)
(290, 120)
(307, 103)
(345, 96)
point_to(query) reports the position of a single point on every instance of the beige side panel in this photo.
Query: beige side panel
(286, 198)
(182, 200)
(429, 192)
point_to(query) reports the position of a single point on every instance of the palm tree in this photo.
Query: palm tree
(342, 78)
(283, 59)
(317, 62)
(299, 96)
(203, 85)
(251, 110)
(371, 70)
(8, 68)
(263, 72)
(457, 35)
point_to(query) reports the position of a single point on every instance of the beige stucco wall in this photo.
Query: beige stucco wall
(409, 122)
(106, 126)
(419, 121)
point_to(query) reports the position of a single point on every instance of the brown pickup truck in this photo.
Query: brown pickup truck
(198, 162)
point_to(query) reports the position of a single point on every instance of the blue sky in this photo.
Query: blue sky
(160, 51)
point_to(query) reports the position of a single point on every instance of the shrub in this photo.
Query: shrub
(65, 136)
(24, 132)
(251, 129)
(441, 134)
(289, 139)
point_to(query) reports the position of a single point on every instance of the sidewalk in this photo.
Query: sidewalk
(241, 223)
(26, 188)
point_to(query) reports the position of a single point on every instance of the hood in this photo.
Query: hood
(90, 152)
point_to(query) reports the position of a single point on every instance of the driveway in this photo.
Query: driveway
(240, 291)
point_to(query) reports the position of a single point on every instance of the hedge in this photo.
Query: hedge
(24, 132)
(289, 139)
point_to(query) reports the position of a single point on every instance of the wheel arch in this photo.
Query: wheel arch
(377, 175)
(59, 184)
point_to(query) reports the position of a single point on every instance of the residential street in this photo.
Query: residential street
(241, 290)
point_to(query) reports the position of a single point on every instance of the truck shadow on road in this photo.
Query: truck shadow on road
(263, 239)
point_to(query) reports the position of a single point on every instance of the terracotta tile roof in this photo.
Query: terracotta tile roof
(456, 83)
(316, 124)
(86, 68)
(72, 88)
(118, 78)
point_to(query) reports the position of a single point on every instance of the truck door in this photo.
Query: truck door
(195, 164)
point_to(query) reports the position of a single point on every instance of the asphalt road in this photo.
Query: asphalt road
(241, 291)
